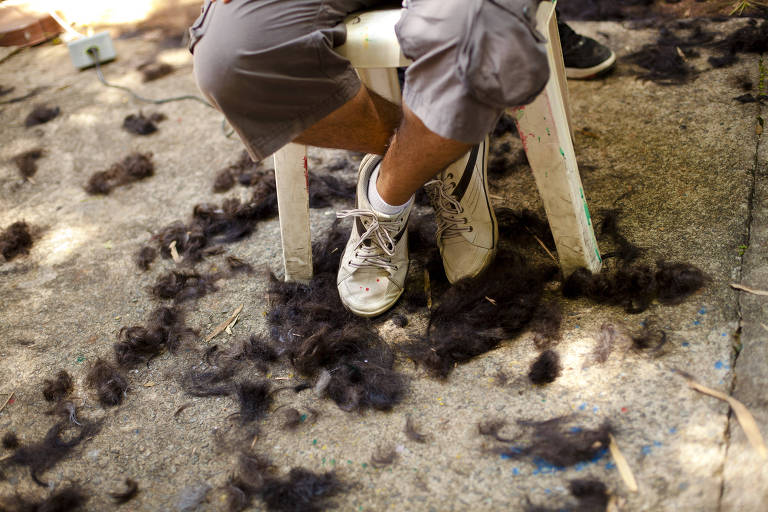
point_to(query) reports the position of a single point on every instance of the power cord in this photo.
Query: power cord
(93, 53)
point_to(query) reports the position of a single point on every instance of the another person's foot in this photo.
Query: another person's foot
(584, 57)
(467, 232)
(375, 262)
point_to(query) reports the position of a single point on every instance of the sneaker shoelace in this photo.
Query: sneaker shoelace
(448, 210)
(376, 246)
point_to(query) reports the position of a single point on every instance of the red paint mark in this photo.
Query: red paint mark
(367, 289)
(11, 401)
(377, 279)
(624, 409)
(306, 173)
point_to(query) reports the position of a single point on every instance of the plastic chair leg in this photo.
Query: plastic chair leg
(293, 206)
(545, 131)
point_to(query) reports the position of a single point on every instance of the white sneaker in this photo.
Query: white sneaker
(375, 262)
(467, 231)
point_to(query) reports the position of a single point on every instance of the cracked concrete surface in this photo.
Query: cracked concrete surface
(684, 164)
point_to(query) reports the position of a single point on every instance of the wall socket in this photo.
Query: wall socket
(79, 50)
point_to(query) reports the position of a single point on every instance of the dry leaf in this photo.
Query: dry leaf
(622, 465)
(748, 289)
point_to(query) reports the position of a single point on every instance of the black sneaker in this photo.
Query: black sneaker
(584, 57)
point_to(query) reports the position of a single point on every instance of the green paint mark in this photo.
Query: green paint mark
(548, 132)
(365, 465)
(323, 461)
(539, 139)
(333, 462)
(599, 258)
(519, 114)
(80, 359)
(302, 418)
(314, 442)
(349, 461)
(562, 153)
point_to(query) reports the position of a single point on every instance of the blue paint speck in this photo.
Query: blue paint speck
(594, 409)
(686, 344)
(576, 430)
(673, 430)
(610, 465)
(696, 322)
(515, 471)
(724, 334)
(583, 406)
(657, 443)
(646, 449)
(576, 326)
(719, 365)
(547, 491)
(703, 311)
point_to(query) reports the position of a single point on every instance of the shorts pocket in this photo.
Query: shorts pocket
(502, 59)
(197, 29)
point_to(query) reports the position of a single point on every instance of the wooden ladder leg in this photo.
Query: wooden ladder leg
(545, 132)
(293, 206)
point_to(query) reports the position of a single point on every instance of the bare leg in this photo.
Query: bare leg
(365, 123)
(415, 156)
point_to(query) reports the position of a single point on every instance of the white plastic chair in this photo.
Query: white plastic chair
(544, 128)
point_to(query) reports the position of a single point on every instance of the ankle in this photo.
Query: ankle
(379, 204)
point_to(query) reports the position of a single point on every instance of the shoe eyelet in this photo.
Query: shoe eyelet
(471, 229)
(449, 175)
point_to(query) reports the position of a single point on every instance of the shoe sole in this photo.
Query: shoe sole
(491, 255)
(587, 73)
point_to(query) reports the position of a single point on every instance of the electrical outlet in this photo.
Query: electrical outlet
(85, 51)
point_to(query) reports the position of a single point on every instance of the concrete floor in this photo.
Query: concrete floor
(685, 163)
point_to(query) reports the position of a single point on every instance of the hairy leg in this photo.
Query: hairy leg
(415, 156)
(365, 123)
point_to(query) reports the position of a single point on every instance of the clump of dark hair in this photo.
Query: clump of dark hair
(214, 382)
(591, 496)
(607, 339)
(255, 349)
(676, 281)
(474, 315)
(108, 382)
(634, 286)
(383, 456)
(43, 455)
(546, 368)
(625, 250)
(211, 224)
(134, 167)
(183, 285)
(254, 399)
(412, 433)
(650, 338)
(516, 226)
(26, 162)
(58, 388)
(153, 70)
(145, 257)
(561, 445)
(10, 441)
(300, 491)
(138, 344)
(321, 337)
(41, 114)
(67, 499)
(140, 125)
(15, 239)
(325, 188)
(751, 38)
(130, 492)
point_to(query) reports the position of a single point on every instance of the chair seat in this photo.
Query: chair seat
(371, 42)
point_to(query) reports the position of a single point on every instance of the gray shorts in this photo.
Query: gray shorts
(270, 67)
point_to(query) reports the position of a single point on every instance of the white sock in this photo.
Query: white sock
(378, 204)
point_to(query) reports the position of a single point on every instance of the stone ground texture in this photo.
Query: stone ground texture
(684, 163)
